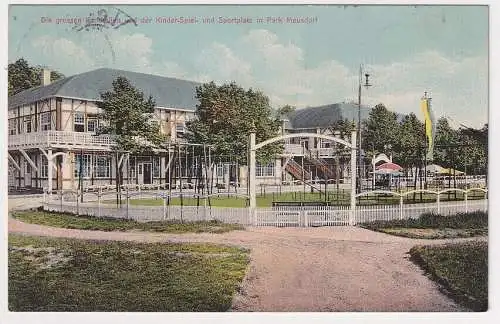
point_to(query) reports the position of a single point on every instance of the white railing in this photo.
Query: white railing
(281, 216)
(154, 213)
(294, 149)
(55, 138)
(325, 152)
(302, 216)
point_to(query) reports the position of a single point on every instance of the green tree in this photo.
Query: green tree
(410, 148)
(127, 117)
(284, 111)
(225, 116)
(22, 76)
(380, 131)
(473, 154)
(446, 137)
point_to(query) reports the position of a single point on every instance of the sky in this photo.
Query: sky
(312, 59)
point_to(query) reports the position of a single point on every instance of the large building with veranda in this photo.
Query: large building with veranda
(52, 135)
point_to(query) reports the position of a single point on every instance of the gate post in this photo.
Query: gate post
(61, 195)
(401, 207)
(128, 202)
(486, 201)
(77, 199)
(251, 174)
(352, 218)
(164, 198)
(466, 204)
(99, 193)
(44, 198)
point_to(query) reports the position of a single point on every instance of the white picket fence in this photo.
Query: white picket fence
(282, 216)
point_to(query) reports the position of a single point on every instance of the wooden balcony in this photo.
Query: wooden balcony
(60, 139)
(298, 150)
(293, 150)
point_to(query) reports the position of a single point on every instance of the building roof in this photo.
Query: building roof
(167, 92)
(325, 116)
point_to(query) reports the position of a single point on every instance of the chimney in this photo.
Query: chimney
(45, 77)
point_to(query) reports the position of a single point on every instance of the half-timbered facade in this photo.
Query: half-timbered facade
(52, 130)
(52, 135)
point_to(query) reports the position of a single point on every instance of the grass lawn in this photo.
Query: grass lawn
(224, 200)
(462, 269)
(47, 274)
(112, 224)
(334, 198)
(431, 226)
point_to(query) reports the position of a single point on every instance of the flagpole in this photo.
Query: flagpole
(425, 156)
(426, 140)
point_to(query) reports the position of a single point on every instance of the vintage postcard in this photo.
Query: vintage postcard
(247, 158)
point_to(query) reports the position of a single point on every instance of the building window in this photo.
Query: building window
(44, 167)
(326, 144)
(131, 170)
(180, 130)
(27, 124)
(92, 125)
(79, 122)
(12, 126)
(84, 167)
(264, 170)
(102, 167)
(45, 121)
(222, 169)
(156, 167)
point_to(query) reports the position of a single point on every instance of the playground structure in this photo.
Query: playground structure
(191, 174)
(253, 147)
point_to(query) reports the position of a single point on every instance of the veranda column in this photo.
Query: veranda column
(352, 218)
(251, 173)
(49, 171)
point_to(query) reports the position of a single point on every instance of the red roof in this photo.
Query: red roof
(389, 166)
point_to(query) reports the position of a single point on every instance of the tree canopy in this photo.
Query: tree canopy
(410, 146)
(127, 116)
(380, 131)
(225, 116)
(22, 76)
(465, 149)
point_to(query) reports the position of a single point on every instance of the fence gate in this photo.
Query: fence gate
(304, 216)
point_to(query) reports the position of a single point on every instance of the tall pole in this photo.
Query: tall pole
(366, 85)
(425, 156)
(251, 173)
(352, 216)
(358, 190)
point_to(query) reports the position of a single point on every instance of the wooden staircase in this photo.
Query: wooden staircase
(297, 171)
(323, 166)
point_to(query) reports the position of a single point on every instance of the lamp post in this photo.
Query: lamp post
(366, 85)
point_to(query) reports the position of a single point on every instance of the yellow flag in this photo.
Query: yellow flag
(429, 125)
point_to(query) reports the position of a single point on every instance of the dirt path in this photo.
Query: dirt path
(308, 269)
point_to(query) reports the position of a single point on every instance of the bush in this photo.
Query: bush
(65, 220)
(472, 220)
(462, 269)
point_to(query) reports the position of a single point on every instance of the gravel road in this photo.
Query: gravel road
(338, 269)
